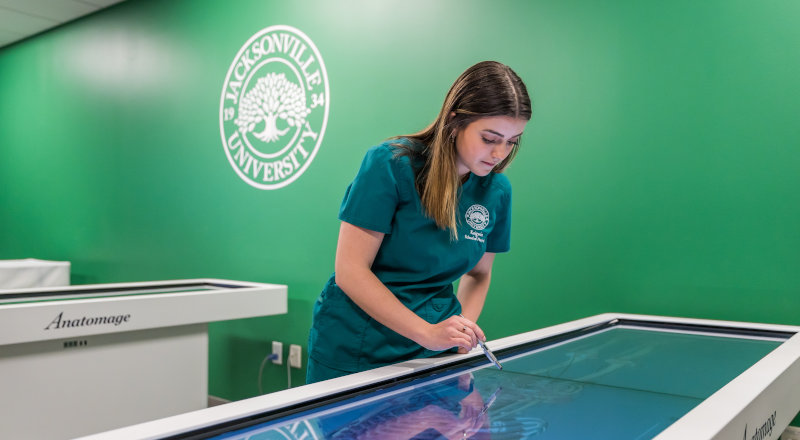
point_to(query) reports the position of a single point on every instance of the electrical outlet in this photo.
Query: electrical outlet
(277, 349)
(295, 356)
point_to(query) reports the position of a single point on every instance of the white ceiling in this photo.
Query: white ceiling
(20, 19)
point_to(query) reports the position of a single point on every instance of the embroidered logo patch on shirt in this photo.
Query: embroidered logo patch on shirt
(477, 217)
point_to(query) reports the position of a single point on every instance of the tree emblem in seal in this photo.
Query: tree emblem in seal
(477, 217)
(274, 107)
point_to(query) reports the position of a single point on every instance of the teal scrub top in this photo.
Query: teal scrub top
(416, 261)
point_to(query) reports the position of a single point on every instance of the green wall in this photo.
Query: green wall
(659, 174)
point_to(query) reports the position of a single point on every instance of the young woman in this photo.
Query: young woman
(424, 210)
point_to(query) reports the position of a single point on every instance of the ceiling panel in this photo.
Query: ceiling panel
(53, 9)
(7, 37)
(20, 19)
(100, 3)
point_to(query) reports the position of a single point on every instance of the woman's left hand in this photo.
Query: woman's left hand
(471, 330)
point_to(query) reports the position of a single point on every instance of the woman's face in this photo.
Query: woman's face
(485, 142)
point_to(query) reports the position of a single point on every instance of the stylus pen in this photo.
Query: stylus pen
(490, 355)
(486, 351)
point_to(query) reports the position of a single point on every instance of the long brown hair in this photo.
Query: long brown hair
(486, 89)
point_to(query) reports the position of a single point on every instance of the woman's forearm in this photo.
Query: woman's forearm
(474, 286)
(472, 293)
(372, 296)
(355, 254)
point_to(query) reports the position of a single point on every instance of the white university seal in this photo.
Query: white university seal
(477, 217)
(274, 107)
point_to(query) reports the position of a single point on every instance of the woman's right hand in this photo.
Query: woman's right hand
(455, 331)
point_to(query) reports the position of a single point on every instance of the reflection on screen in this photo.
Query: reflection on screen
(621, 383)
